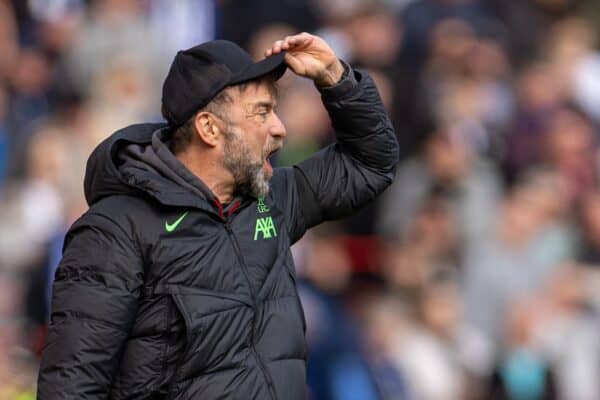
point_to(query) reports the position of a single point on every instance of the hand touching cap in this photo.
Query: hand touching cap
(309, 56)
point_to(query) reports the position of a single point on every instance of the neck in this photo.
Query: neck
(210, 171)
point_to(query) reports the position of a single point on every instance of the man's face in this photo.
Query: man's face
(253, 133)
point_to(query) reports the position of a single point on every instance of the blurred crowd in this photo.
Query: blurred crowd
(475, 276)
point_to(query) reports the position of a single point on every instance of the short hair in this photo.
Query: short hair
(183, 135)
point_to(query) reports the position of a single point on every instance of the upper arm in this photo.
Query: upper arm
(336, 185)
(94, 303)
(345, 176)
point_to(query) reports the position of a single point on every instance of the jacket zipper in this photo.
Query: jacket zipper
(261, 363)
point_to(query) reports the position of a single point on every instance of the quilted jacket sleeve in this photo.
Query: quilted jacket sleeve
(94, 303)
(343, 177)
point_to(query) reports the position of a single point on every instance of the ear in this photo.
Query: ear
(207, 128)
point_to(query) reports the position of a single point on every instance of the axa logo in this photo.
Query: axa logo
(266, 227)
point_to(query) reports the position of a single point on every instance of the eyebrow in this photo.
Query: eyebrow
(252, 107)
(264, 104)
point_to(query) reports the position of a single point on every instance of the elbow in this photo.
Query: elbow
(395, 150)
(391, 156)
(389, 147)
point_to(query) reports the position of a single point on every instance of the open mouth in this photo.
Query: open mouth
(268, 167)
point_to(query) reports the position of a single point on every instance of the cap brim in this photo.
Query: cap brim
(274, 64)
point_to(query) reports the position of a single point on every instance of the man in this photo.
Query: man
(179, 283)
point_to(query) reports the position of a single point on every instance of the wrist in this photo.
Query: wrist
(348, 81)
(331, 75)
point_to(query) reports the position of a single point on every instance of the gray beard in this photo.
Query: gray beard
(249, 175)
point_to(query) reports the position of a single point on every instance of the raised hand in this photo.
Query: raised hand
(310, 56)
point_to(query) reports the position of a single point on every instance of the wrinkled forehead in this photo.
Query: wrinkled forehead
(254, 94)
(263, 88)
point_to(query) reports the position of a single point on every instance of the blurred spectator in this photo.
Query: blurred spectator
(52, 23)
(571, 49)
(482, 255)
(4, 137)
(430, 353)
(527, 23)
(30, 85)
(188, 22)
(375, 38)
(121, 92)
(386, 319)
(9, 46)
(337, 368)
(529, 242)
(523, 372)
(539, 96)
(566, 333)
(427, 249)
(553, 350)
(570, 147)
(306, 121)
(240, 20)
(450, 166)
(17, 370)
(117, 33)
(420, 17)
(466, 84)
(589, 214)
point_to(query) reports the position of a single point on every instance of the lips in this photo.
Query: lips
(267, 163)
(267, 167)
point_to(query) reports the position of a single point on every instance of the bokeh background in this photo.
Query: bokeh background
(475, 276)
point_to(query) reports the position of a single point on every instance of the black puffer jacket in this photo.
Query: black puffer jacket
(162, 293)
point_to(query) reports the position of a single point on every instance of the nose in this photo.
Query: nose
(277, 128)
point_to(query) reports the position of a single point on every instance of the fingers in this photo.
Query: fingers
(276, 48)
(289, 43)
(296, 40)
(295, 65)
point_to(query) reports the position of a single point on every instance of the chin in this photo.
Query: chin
(262, 190)
(258, 184)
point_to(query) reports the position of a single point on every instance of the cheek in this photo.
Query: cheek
(255, 147)
(255, 135)
(260, 141)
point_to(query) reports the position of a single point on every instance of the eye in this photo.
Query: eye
(263, 113)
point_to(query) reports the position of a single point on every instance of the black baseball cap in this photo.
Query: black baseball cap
(198, 74)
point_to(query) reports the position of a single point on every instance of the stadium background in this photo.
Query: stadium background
(476, 275)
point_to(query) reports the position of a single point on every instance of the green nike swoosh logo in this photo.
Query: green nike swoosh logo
(171, 227)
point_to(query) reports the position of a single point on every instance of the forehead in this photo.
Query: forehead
(255, 93)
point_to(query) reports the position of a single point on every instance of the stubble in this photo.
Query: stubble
(248, 172)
